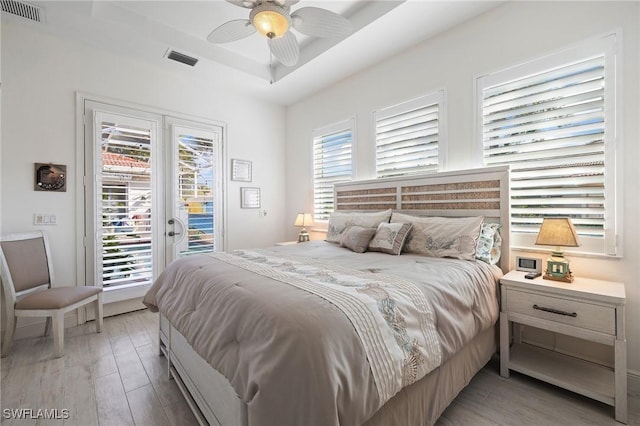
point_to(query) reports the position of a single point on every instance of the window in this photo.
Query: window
(332, 162)
(408, 135)
(125, 152)
(553, 121)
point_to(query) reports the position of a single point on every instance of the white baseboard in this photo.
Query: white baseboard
(633, 382)
(117, 308)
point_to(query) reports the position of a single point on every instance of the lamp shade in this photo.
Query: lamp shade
(303, 219)
(557, 232)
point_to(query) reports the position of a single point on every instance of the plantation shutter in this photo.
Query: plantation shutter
(332, 162)
(552, 128)
(196, 183)
(125, 204)
(407, 137)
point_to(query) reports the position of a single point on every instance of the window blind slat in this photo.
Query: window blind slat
(548, 85)
(410, 119)
(407, 135)
(420, 150)
(582, 116)
(540, 108)
(552, 183)
(548, 75)
(586, 153)
(550, 135)
(513, 105)
(542, 115)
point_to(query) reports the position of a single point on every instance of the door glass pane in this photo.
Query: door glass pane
(125, 205)
(196, 187)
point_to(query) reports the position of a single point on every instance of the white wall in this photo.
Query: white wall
(41, 75)
(508, 35)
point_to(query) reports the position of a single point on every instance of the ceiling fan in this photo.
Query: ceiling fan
(273, 19)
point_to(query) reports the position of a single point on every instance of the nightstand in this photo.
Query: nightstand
(587, 309)
(287, 243)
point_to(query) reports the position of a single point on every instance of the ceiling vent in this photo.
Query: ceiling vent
(22, 10)
(182, 58)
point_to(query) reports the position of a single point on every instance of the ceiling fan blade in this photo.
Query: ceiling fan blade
(314, 21)
(285, 48)
(231, 31)
(249, 4)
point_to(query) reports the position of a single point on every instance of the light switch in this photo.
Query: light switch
(44, 219)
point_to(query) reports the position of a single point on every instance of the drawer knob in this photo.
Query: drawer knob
(555, 311)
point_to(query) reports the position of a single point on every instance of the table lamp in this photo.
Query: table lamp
(303, 219)
(558, 232)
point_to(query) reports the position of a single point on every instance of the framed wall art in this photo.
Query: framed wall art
(241, 170)
(50, 177)
(249, 198)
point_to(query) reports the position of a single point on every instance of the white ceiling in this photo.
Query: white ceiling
(149, 29)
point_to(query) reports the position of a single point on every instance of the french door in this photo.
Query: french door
(153, 192)
(195, 204)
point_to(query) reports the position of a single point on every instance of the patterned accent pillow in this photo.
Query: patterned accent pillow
(442, 236)
(356, 238)
(489, 247)
(339, 221)
(390, 237)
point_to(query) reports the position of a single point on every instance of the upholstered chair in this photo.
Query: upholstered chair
(28, 288)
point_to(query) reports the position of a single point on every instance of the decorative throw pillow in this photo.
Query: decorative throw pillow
(442, 236)
(489, 247)
(339, 221)
(390, 237)
(356, 238)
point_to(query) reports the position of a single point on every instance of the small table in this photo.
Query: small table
(587, 309)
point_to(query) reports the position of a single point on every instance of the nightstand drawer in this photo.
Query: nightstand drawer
(576, 313)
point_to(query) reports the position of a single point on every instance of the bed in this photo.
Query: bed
(284, 336)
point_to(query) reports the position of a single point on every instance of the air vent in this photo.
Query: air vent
(22, 10)
(182, 58)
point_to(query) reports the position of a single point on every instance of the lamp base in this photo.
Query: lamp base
(568, 278)
(303, 236)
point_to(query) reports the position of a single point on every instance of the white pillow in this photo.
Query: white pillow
(339, 221)
(442, 236)
(390, 237)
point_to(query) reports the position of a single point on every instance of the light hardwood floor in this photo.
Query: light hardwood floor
(117, 378)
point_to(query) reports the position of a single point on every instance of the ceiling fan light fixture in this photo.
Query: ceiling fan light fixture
(270, 20)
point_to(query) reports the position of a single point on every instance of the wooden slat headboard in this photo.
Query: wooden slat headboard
(472, 192)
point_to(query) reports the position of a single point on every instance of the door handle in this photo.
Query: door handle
(171, 233)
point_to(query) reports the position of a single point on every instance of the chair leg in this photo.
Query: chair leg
(58, 334)
(47, 327)
(98, 313)
(7, 339)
